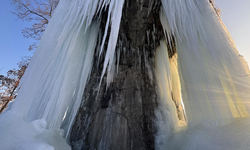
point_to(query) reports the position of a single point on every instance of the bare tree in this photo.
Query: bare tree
(9, 85)
(38, 12)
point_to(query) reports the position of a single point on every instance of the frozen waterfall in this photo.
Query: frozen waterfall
(214, 77)
(53, 85)
(207, 74)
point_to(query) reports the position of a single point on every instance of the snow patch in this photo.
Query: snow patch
(17, 134)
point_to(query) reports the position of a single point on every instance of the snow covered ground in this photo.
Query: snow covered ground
(17, 134)
(207, 136)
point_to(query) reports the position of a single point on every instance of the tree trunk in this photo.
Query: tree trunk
(122, 117)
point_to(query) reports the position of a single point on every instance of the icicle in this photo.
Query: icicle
(106, 27)
(213, 78)
(118, 52)
(215, 81)
(115, 26)
(176, 89)
(61, 67)
(54, 82)
(166, 115)
(58, 82)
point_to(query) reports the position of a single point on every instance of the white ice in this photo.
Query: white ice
(214, 77)
(17, 134)
(53, 84)
(205, 136)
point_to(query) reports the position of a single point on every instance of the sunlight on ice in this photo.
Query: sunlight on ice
(207, 75)
(215, 80)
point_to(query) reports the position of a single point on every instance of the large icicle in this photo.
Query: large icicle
(176, 89)
(215, 79)
(54, 82)
(167, 118)
(58, 72)
(115, 12)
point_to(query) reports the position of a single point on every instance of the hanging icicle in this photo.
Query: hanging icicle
(214, 77)
(215, 80)
(54, 82)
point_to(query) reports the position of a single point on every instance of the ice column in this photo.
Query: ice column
(214, 77)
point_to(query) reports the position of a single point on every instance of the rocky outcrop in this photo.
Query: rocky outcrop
(122, 116)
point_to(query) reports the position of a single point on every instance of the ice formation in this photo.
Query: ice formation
(169, 96)
(54, 82)
(213, 77)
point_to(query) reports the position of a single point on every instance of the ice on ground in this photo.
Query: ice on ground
(17, 134)
(206, 136)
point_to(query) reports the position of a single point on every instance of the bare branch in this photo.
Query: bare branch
(39, 12)
(36, 11)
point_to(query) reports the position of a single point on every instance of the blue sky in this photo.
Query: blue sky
(236, 16)
(13, 46)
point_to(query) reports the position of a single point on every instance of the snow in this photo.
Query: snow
(17, 134)
(205, 136)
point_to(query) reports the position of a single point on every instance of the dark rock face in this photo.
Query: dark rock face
(121, 117)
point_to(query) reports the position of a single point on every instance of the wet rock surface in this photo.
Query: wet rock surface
(122, 116)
